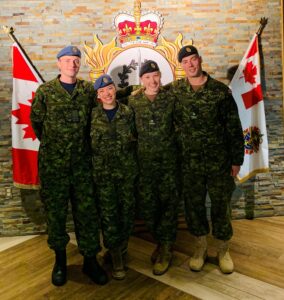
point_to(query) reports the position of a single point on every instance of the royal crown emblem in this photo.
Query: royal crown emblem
(140, 27)
(136, 42)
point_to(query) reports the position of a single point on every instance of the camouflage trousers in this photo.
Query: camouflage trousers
(76, 186)
(116, 205)
(220, 189)
(158, 199)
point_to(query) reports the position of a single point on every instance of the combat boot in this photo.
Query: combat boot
(118, 271)
(95, 272)
(163, 260)
(59, 272)
(155, 254)
(225, 261)
(196, 262)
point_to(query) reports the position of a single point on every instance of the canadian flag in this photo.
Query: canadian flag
(25, 145)
(247, 92)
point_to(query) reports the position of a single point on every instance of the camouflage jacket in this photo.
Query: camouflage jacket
(113, 142)
(154, 123)
(62, 121)
(208, 123)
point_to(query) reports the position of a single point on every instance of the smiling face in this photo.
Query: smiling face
(69, 67)
(107, 95)
(192, 66)
(151, 82)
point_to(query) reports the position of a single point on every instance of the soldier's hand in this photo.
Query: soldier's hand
(235, 170)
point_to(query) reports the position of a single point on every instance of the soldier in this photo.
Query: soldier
(60, 117)
(114, 170)
(212, 145)
(154, 122)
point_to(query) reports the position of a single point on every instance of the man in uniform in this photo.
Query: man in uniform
(212, 144)
(154, 122)
(60, 117)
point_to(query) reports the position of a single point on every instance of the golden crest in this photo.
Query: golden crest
(188, 49)
(75, 50)
(153, 65)
(105, 80)
(101, 56)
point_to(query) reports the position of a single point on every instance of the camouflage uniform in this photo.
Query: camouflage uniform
(211, 139)
(114, 172)
(61, 122)
(157, 163)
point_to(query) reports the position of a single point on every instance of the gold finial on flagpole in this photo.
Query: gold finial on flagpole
(10, 31)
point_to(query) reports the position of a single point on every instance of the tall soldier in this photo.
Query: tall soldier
(212, 144)
(60, 117)
(154, 122)
(114, 170)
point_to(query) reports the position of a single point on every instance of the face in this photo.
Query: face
(107, 95)
(192, 65)
(151, 82)
(69, 66)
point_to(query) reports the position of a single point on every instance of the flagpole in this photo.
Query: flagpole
(10, 32)
(263, 22)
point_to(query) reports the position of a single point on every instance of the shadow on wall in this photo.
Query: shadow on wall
(33, 207)
(231, 72)
(245, 192)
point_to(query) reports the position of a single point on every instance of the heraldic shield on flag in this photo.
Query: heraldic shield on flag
(247, 92)
(25, 145)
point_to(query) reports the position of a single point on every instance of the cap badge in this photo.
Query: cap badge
(75, 50)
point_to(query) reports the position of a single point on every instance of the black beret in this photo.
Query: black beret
(186, 51)
(148, 67)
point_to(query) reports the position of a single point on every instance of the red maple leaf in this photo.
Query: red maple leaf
(250, 72)
(23, 116)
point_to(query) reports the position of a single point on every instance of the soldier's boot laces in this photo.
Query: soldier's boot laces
(163, 261)
(225, 261)
(155, 254)
(59, 272)
(118, 271)
(196, 262)
(94, 271)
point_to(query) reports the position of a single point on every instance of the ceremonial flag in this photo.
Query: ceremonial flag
(25, 145)
(247, 92)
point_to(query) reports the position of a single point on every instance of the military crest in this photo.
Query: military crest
(137, 41)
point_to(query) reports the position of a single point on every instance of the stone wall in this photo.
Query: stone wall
(220, 29)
